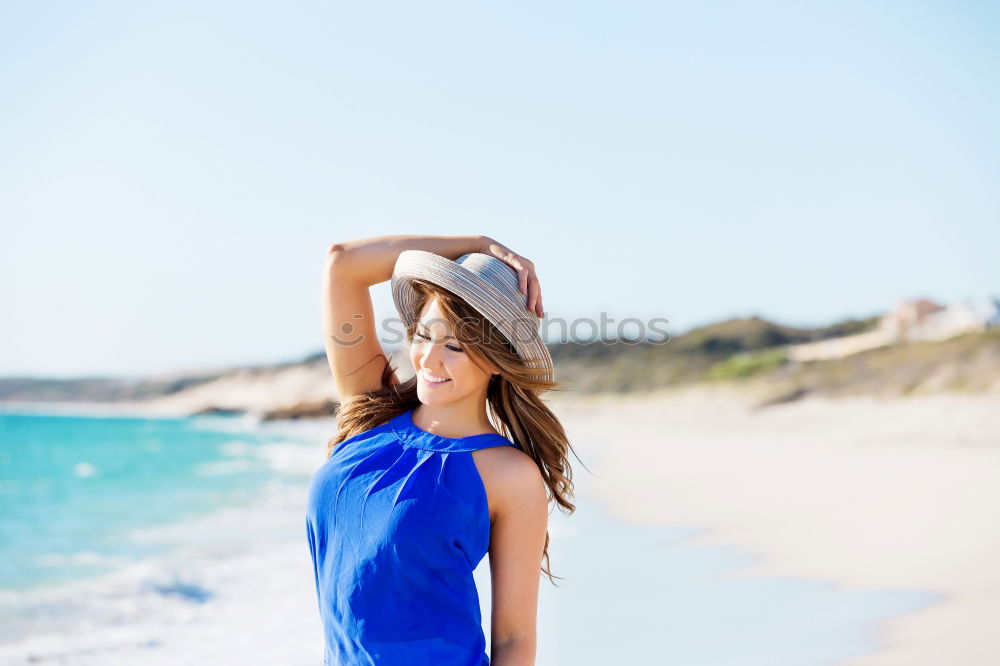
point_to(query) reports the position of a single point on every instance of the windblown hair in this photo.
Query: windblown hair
(512, 397)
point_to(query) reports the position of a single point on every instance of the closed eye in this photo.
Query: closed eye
(451, 347)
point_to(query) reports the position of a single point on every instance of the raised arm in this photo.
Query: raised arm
(350, 336)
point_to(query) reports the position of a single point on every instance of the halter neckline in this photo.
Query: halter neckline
(411, 435)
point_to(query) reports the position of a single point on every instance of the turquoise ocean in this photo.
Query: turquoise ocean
(77, 491)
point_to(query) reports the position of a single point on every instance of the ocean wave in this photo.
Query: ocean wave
(291, 458)
(285, 457)
(224, 467)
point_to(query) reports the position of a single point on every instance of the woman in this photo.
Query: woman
(426, 476)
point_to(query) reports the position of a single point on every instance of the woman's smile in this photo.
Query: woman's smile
(432, 380)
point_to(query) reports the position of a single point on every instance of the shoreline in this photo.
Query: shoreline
(244, 571)
(235, 572)
(868, 494)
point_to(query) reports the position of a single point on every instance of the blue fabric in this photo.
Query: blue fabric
(397, 520)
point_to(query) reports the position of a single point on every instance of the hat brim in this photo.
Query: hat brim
(496, 303)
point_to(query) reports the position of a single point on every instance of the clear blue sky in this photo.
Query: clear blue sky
(171, 175)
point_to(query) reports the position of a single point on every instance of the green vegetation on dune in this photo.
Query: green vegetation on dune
(752, 353)
(969, 362)
(747, 364)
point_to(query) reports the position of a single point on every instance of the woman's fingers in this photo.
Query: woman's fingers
(526, 278)
(535, 295)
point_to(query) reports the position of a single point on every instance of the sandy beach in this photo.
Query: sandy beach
(866, 493)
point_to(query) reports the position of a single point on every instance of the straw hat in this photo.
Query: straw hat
(487, 284)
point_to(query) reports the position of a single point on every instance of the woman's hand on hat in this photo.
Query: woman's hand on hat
(525, 268)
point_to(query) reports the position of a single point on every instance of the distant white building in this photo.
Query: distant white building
(908, 319)
(956, 319)
(919, 319)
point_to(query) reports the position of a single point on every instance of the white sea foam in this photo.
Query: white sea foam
(223, 467)
(237, 448)
(291, 457)
(235, 586)
(78, 558)
(248, 422)
(85, 470)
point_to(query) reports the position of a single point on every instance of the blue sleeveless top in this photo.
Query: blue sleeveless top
(397, 520)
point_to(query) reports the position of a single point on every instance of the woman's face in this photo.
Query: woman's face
(436, 354)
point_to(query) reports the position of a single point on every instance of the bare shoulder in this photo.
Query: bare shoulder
(511, 477)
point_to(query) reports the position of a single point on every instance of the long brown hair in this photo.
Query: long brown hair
(512, 399)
